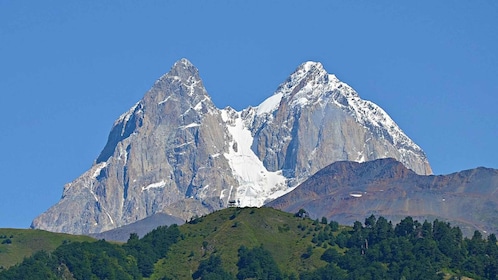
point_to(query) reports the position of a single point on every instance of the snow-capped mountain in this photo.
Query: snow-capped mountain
(175, 152)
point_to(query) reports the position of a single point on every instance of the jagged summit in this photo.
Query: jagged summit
(312, 93)
(175, 152)
(184, 62)
(298, 87)
(184, 76)
(309, 68)
(184, 70)
(182, 86)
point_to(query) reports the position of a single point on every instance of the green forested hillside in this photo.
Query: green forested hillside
(287, 237)
(263, 243)
(16, 244)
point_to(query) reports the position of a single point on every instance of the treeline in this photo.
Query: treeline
(98, 260)
(255, 263)
(409, 250)
(374, 249)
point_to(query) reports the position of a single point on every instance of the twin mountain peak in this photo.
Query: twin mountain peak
(175, 152)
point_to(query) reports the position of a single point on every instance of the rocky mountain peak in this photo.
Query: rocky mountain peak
(184, 70)
(323, 109)
(309, 68)
(311, 83)
(183, 80)
(175, 152)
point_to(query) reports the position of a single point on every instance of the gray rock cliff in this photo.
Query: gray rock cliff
(320, 118)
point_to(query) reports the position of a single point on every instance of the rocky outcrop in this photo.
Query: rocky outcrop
(349, 191)
(174, 152)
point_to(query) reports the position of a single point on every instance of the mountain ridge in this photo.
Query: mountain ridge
(345, 191)
(175, 152)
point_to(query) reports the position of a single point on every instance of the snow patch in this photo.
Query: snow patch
(126, 116)
(230, 192)
(94, 195)
(164, 101)
(109, 216)
(160, 184)
(184, 144)
(361, 157)
(270, 104)
(98, 169)
(222, 194)
(190, 125)
(123, 154)
(198, 107)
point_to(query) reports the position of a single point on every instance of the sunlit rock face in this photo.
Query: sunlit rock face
(175, 152)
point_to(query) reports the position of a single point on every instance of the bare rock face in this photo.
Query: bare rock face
(174, 152)
(349, 191)
(165, 151)
(319, 118)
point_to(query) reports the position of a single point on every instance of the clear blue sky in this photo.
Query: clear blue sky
(69, 68)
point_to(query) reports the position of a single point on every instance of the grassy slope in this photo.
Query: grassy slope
(223, 232)
(26, 242)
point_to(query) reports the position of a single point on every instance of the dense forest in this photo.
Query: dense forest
(374, 249)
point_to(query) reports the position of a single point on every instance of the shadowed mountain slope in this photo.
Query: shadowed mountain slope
(350, 191)
(141, 227)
